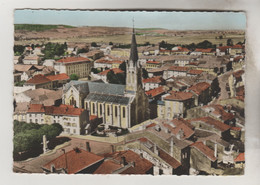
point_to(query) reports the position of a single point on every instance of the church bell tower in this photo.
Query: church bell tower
(133, 68)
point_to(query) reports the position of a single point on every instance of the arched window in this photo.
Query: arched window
(108, 110)
(123, 112)
(115, 111)
(93, 108)
(100, 108)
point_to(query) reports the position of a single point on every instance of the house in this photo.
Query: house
(236, 50)
(152, 65)
(73, 120)
(175, 104)
(20, 111)
(39, 96)
(93, 54)
(48, 62)
(194, 72)
(37, 51)
(202, 158)
(215, 111)
(58, 80)
(155, 72)
(76, 161)
(174, 71)
(180, 51)
(236, 80)
(240, 161)
(31, 60)
(39, 81)
(74, 65)
(103, 64)
(17, 59)
(103, 75)
(208, 51)
(213, 125)
(201, 93)
(222, 50)
(119, 52)
(152, 83)
(130, 163)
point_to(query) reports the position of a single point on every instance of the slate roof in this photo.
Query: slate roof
(108, 98)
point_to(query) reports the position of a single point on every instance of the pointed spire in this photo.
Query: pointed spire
(133, 52)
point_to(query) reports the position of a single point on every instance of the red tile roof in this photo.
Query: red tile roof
(156, 79)
(236, 128)
(153, 62)
(199, 87)
(53, 110)
(239, 73)
(38, 79)
(177, 68)
(169, 159)
(62, 76)
(208, 50)
(36, 108)
(195, 72)
(179, 96)
(107, 167)
(240, 158)
(92, 117)
(141, 165)
(103, 61)
(178, 126)
(237, 59)
(211, 121)
(73, 59)
(223, 48)
(155, 92)
(76, 161)
(115, 70)
(151, 125)
(218, 110)
(205, 150)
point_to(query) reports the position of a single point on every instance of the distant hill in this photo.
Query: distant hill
(39, 27)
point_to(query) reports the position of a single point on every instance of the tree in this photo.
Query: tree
(74, 77)
(110, 43)
(118, 78)
(205, 44)
(145, 73)
(18, 49)
(82, 50)
(95, 70)
(229, 42)
(123, 66)
(94, 44)
(28, 136)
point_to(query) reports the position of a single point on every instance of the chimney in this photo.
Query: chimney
(215, 149)
(171, 147)
(88, 147)
(142, 155)
(133, 164)
(52, 168)
(123, 161)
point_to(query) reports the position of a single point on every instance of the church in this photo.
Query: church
(118, 105)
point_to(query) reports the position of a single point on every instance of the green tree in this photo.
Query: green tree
(74, 77)
(29, 135)
(94, 44)
(145, 73)
(95, 70)
(110, 43)
(118, 78)
(18, 49)
(123, 66)
(205, 44)
(229, 42)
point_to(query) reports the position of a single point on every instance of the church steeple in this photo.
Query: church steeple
(133, 68)
(133, 52)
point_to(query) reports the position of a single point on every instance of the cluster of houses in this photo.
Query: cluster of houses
(177, 121)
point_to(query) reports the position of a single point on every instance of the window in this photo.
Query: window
(30, 120)
(123, 112)
(36, 120)
(100, 108)
(74, 131)
(108, 110)
(115, 111)
(30, 115)
(93, 108)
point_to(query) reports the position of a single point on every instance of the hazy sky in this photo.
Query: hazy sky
(168, 20)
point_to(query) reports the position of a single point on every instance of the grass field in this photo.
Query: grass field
(126, 39)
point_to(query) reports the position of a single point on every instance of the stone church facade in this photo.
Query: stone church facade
(118, 105)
